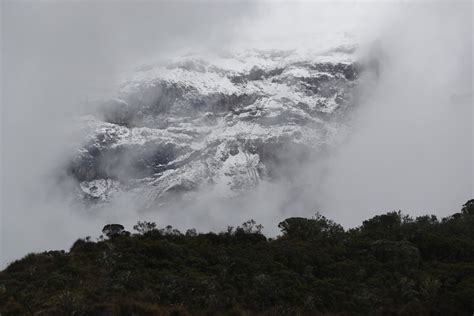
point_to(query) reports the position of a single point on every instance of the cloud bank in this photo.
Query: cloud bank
(411, 142)
(54, 56)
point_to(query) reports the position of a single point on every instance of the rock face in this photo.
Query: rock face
(225, 123)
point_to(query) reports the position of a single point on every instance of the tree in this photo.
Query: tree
(191, 232)
(386, 226)
(250, 227)
(112, 230)
(144, 227)
(169, 230)
(305, 228)
(468, 208)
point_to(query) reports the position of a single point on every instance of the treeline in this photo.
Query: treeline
(392, 264)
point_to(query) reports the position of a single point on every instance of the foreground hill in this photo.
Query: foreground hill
(391, 265)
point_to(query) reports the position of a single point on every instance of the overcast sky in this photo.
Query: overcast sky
(410, 149)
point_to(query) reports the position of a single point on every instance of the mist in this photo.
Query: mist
(55, 56)
(411, 139)
(412, 142)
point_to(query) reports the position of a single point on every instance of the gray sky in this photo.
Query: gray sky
(412, 141)
(56, 53)
(412, 146)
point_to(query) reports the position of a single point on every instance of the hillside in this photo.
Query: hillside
(392, 264)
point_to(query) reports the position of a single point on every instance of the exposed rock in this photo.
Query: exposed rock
(229, 122)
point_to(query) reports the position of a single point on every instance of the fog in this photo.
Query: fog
(412, 147)
(411, 140)
(54, 56)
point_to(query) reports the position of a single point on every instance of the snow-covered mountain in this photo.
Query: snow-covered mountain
(222, 123)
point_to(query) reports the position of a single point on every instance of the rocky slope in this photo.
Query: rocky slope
(223, 123)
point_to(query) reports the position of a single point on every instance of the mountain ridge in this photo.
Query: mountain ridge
(226, 123)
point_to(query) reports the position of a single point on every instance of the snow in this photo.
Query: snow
(215, 154)
(101, 189)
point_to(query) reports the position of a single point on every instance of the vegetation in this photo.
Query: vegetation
(391, 265)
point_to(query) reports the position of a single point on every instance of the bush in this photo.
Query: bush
(391, 264)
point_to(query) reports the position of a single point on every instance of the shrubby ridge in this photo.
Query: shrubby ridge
(392, 264)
